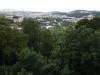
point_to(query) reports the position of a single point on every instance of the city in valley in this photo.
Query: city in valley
(49, 19)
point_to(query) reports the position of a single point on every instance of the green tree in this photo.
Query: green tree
(31, 62)
(4, 21)
(93, 23)
(58, 62)
(46, 42)
(82, 22)
(11, 42)
(32, 28)
(82, 50)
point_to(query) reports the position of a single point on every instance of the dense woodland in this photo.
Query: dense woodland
(62, 50)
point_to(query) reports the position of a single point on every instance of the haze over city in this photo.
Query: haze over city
(50, 5)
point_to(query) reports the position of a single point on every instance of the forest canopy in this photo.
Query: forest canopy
(61, 50)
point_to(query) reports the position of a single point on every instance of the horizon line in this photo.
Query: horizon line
(5, 9)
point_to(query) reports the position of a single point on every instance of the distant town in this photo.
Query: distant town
(50, 19)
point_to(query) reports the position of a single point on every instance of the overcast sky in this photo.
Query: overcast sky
(50, 5)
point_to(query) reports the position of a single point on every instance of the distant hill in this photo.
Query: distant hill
(74, 13)
(80, 13)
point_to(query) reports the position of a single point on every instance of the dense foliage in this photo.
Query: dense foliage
(61, 50)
